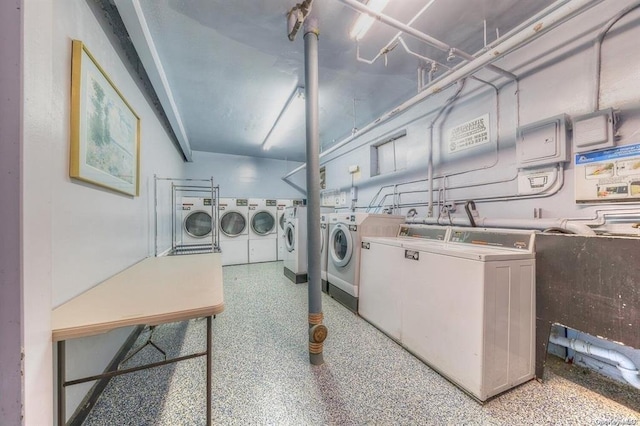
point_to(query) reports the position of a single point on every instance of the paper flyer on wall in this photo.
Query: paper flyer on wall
(611, 175)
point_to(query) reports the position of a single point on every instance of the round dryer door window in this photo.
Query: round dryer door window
(232, 224)
(263, 223)
(289, 237)
(340, 245)
(198, 224)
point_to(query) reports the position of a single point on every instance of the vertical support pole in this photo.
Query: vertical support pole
(209, 361)
(155, 212)
(62, 374)
(173, 218)
(317, 331)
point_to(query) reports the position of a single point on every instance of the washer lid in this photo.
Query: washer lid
(340, 245)
(263, 222)
(233, 223)
(198, 224)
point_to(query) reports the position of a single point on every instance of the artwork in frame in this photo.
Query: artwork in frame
(105, 130)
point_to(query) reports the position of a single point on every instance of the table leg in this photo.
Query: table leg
(62, 400)
(208, 370)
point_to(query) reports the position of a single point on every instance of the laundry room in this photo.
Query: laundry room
(306, 212)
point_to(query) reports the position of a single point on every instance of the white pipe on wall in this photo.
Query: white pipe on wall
(362, 8)
(485, 222)
(624, 364)
(526, 35)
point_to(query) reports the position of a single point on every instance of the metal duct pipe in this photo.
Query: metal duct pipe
(362, 8)
(317, 331)
(624, 364)
(484, 222)
(519, 39)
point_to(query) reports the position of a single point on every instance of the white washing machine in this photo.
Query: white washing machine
(468, 308)
(380, 291)
(263, 233)
(197, 222)
(234, 230)
(324, 252)
(295, 240)
(346, 231)
(281, 205)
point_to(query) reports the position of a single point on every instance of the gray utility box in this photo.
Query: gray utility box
(594, 131)
(543, 142)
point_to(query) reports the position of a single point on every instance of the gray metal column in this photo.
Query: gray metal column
(317, 331)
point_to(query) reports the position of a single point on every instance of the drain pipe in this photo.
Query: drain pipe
(317, 331)
(624, 364)
(485, 222)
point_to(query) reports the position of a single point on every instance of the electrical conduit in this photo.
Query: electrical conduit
(494, 52)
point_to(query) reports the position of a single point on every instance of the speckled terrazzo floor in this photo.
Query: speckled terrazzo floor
(261, 374)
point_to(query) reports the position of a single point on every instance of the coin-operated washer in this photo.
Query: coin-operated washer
(295, 239)
(468, 307)
(346, 231)
(234, 230)
(263, 235)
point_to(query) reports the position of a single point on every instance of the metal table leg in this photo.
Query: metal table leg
(208, 351)
(62, 400)
(62, 383)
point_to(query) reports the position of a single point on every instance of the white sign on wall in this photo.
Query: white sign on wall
(469, 135)
(608, 175)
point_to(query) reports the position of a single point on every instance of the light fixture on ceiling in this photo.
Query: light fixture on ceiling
(288, 117)
(364, 21)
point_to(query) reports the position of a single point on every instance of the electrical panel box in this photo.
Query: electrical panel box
(543, 142)
(536, 181)
(594, 131)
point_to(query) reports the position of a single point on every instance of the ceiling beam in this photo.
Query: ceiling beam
(136, 24)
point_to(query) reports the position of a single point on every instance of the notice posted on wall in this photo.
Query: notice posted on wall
(609, 175)
(470, 134)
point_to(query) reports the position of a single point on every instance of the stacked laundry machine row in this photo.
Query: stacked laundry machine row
(249, 227)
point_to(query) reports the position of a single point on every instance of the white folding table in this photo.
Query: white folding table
(155, 291)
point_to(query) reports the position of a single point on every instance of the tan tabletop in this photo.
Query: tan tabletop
(154, 291)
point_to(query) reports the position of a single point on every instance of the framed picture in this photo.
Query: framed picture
(105, 130)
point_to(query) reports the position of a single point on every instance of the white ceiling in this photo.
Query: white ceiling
(230, 67)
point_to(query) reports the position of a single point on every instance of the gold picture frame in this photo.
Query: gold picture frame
(105, 130)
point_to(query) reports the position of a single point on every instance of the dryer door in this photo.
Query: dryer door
(232, 223)
(323, 226)
(290, 236)
(340, 245)
(263, 223)
(198, 224)
(282, 221)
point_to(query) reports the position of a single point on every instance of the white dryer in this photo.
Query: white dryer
(381, 265)
(234, 230)
(346, 231)
(197, 222)
(281, 205)
(295, 240)
(263, 235)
